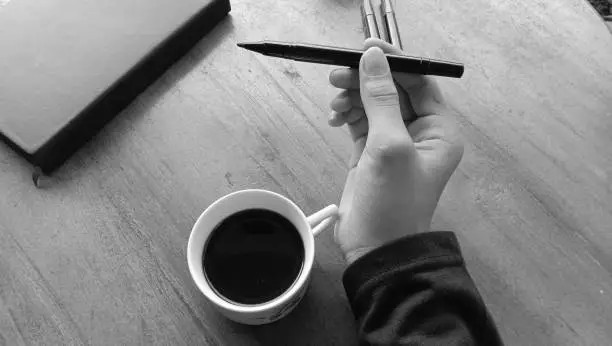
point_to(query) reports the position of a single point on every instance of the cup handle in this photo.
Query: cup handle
(323, 218)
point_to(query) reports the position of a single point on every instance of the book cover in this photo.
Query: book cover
(67, 67)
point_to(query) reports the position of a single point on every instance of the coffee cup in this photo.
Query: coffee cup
(251, 253)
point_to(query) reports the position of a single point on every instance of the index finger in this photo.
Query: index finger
(348, 78)
(345, 78)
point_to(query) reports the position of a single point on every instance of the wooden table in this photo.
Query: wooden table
(98, 256)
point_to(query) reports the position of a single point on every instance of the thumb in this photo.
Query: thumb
(380, 98)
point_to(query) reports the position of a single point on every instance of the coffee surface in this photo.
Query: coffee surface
(253, 256)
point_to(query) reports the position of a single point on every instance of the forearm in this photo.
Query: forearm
(417, 291)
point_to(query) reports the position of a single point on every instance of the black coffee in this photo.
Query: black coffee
(253, 256)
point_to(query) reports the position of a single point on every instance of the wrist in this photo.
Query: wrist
(357, 251)
(354, 255)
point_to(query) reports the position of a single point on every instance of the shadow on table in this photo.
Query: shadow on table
(323, 317)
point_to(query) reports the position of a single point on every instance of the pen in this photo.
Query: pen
(380, 19)
(350, 57)
(391, 24)
(369, 21)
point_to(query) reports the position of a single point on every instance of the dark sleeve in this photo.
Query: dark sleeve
(417, 291)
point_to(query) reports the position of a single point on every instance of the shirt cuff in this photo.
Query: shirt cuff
(407, 253)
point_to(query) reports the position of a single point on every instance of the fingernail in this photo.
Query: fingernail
(375, 62)
(333, 117)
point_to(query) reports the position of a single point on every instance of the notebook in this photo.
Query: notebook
(69, 66)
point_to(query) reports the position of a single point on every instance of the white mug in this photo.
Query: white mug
(308, 227)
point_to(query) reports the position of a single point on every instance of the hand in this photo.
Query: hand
(407, 146)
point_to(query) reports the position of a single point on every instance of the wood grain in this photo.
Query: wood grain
(98, 256)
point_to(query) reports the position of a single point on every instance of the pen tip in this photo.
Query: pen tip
(249, 45)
